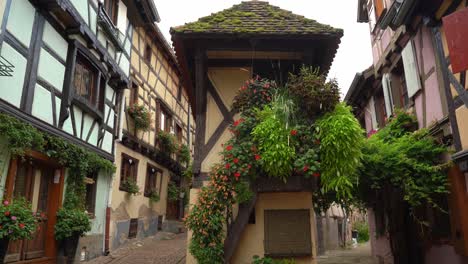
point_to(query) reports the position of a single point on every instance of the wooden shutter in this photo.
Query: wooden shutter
(372, 113)
(379, 8)
(410, 64)
(287, 233)
(387, 90)
(456, 33)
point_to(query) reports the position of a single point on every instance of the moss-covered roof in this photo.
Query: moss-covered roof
(256, 17)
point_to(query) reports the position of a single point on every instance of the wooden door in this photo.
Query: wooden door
(32, 181)
(172, 211)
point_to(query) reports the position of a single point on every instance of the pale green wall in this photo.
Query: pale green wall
(4, 164)
(12, 87)
(88, 122)
(93, 20)
(21, 20)
(82, 7)
(42, 105)
(51, 70)
(55, 41)
(102, 194)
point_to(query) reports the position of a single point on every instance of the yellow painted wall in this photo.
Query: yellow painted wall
(251, 242)
(125, 206)
(462, 116)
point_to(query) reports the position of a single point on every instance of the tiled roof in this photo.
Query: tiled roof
(256, 17)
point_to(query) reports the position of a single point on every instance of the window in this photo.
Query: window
(380, 110)
(152, 175)
(148, 53)
(376, 9)
(91, 183)
(133, 229)
(165, 121)
(128, 170)
(85, 83)
(179, 133)
(133, 94)
(112, 7)
(287, 233)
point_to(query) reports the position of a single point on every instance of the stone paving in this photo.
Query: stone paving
(359, 255)
(164, 248)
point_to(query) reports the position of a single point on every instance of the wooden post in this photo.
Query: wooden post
(200, 111)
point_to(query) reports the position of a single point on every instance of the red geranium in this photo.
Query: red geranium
(293, 132)
(306, 168)
(237, 175)
(228, 166)
(316, 174)
(236, 160)
(229, 148)
(257, 157)
(7, 213)
(21, 225)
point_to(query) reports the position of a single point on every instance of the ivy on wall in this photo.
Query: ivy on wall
(71, 218)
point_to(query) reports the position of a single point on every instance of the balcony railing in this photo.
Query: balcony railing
(6, 68)
(109, 28)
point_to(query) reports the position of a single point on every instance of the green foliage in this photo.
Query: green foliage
(243, 192)
(141, 117)
(184, 154)
(79, 162)
(341, 139)
(265, 260)
(19, 135)
(167, 143)
(314, 94)
(362, 229)
(410, 161)
(255, 93)
(17, 220)
(130, 186)
(71, 222)
(172, 191)
(154, 197)
(275, 148)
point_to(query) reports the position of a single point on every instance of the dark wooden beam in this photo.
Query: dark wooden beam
(200, 98)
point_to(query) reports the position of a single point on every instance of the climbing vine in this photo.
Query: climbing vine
(273, 137)
(71, 218)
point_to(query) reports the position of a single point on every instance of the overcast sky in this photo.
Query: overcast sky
(354, 54)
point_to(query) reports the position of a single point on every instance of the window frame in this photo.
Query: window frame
(94, 177)
(123, 177)
(155, 174)
(113, 13)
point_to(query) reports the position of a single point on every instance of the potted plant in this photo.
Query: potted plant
(184, 154)
(141, 117)
(71, 224)
(17, 221)
(130, 186)
(154, 197)
(167, 143)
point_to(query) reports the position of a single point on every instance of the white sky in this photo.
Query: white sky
(354, 54)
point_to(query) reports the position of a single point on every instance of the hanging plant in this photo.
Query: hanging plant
(141, 117)
(255, 93)
(167, 143)
(184, 154)
(131, 186)
(154, 197)
(173, 192)
(71, 222)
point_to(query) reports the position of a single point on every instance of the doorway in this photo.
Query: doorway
(40, 182)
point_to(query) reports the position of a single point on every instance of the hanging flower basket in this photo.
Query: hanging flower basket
(141, 117)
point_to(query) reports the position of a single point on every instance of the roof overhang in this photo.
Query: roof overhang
(361, 81)
(142, 11)
(323, 47)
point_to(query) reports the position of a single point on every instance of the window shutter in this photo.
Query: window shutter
(413, 83)
(387, 90)
(379, 8)
(373, 114)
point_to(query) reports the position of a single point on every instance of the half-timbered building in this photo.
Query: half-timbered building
(217, 55)
(64, 64)
(419, 66)
(155, 84)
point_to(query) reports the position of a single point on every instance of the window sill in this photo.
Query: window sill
(88, 108)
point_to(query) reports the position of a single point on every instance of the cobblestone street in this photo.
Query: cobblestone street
(161, 249)
(358, 255)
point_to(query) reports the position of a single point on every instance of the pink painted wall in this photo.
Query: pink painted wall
(426, 60)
